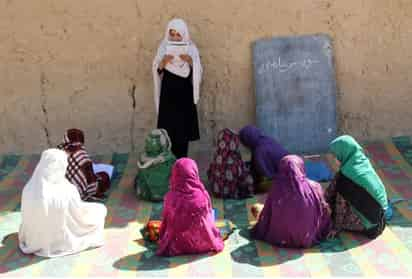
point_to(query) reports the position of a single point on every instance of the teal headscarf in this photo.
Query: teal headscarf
(357, 167)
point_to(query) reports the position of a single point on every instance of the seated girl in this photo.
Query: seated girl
(357, 195)
(228, 176)
(154, 166)
(187, 222)
(55, 221)
(80, 169)
(295, 214)
(266, 154)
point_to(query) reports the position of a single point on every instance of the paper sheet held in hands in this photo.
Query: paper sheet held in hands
(176, 50)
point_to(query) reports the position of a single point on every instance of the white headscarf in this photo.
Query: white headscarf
(55, 221)
(180, 26)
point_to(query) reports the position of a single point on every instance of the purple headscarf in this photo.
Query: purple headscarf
(266, 152)
(295, 214)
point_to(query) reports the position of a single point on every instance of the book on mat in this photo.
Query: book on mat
(103, 167)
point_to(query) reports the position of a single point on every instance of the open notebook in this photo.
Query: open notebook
(103, 167)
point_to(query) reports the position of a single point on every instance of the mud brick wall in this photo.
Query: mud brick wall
(87, 64)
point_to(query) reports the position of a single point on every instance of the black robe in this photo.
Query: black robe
(177, 111)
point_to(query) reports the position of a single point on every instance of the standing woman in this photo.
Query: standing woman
(176, 88)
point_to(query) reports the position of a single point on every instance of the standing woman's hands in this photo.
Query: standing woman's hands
(187, 59)
(166, 60)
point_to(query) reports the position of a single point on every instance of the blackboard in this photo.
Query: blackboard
(295, 88)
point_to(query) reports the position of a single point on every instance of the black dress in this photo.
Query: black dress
(360, 199)
(177, 112)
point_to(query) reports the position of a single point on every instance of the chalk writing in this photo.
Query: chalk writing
(306, 64)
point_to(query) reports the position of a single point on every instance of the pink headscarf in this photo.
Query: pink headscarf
(187, 226)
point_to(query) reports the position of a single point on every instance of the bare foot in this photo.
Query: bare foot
(332, 234)
(256, 210)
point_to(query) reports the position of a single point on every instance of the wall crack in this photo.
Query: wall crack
(132, 95)
(43, 99)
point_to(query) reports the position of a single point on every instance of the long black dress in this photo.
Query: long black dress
(177, 112)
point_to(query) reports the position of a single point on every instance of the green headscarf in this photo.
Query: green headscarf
(357, 167)
(154, 165)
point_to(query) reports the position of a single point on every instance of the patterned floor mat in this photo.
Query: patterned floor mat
(127, 254)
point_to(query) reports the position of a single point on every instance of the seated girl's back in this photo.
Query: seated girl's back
(187, 224)
(295, 213)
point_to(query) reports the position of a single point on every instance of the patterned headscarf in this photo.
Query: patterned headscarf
(73, 140)
(80, 170)
(228, 176)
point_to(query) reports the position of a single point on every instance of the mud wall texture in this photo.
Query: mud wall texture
(87, 64)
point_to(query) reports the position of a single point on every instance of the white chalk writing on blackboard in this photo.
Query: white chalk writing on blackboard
(306, 64)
